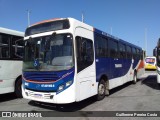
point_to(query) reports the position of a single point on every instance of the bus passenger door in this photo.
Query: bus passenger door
(85, 79)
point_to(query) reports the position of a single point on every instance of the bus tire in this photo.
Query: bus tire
(101, 90)
(18, 89)
(135, 78)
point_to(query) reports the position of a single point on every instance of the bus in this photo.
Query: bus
(11, 61)
(157, 54)
(66, 60)
(150, 63)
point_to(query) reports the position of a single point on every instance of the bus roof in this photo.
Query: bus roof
(94, 29)
(11, 32)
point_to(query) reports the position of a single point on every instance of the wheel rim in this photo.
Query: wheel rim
(101, 89)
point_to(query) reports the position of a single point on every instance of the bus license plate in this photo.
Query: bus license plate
(38, 95)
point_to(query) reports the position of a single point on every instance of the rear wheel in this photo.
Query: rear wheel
(135, 78)
(101, 89)
(18, 90)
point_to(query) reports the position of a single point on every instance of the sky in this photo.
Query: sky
(135, 21)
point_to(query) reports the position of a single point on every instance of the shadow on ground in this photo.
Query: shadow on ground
(151, 81)
(7, 97)
(72, 107)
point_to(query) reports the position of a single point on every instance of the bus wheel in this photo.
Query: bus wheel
(135, 78)
(18, 89)
(101, 90)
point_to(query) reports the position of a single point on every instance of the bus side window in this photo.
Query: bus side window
(122, 50)
(101, 48)
(17, 47)
(134, 53)
(138, 54)
(113, 48)
(85, 54)
(129, 52)
(4, 46)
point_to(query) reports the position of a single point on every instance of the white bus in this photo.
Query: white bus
(67, 61)
(10, 61)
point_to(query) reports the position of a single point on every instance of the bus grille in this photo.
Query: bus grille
(42, 77)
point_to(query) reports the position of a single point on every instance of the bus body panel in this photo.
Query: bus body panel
(9, 71)
(6, 66)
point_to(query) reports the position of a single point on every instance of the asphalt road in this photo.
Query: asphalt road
(143, 96)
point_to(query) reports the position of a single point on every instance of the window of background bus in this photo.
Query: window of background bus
(85, 54)
(17, 54)
(4, 46)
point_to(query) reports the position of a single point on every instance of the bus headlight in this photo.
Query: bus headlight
(64, 86)
(61, 87)
(68, 83)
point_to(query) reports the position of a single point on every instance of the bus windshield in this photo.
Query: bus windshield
(48, 53)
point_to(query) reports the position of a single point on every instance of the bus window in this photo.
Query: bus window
(4, 46)
(138, 54)
(134, 53)
(17, 47)
(113, 48)
(122, 50)
(85, 53)
(101, 46)
(129, 52)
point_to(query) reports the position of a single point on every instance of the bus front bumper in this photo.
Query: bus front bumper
(67, 96)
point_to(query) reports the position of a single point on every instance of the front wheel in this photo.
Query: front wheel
(18, 90)
(101, 90)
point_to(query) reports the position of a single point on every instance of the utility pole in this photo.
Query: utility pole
(145, 39)
(28, 13)
(82, 16)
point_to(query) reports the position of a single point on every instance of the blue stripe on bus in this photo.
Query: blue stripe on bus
(107, 67)
(38, 77)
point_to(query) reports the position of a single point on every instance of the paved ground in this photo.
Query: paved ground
(143, 96)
